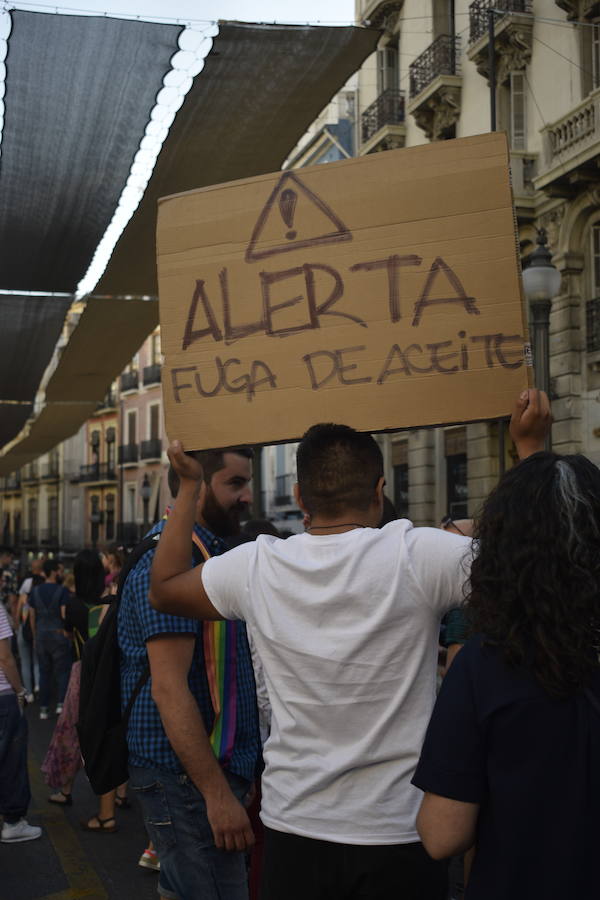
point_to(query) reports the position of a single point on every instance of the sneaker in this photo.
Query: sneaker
(44, 712)
(59, 708)
(20, 831)
(29, 697)
(149, 860)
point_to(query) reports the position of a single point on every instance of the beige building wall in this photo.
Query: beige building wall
(548, 100)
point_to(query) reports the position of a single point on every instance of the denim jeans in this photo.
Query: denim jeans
(28, 657)
(55, 656)
(191, 867)
(15, 794)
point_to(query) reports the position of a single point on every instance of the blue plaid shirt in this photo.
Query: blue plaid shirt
(148, 744)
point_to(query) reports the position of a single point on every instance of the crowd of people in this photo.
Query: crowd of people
(298, 678)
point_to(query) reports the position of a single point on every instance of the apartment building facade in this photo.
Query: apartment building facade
(430, 80)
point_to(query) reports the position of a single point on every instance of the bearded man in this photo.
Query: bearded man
(193, 731)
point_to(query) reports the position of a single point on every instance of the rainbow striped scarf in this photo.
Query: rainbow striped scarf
(220, 660)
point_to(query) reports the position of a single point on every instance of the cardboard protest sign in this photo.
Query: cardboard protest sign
(380, 292)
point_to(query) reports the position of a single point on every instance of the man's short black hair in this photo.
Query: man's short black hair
(50, 566)
(212, 461)
(338, 469)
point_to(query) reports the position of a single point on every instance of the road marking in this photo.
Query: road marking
(83, 880)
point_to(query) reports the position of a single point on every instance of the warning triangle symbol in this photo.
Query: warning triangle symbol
(294, 217)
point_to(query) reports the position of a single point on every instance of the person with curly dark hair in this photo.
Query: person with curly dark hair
(510, 759)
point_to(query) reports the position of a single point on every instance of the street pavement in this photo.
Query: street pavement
(67, 863)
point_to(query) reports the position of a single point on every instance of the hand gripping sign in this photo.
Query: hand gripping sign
(381, 292)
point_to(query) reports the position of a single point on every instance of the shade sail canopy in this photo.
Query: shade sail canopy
(29, 330)
(67, 148)
(260, 89)
(108, 334)
(79, 92)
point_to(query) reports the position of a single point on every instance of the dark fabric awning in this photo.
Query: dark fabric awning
(12, 418)
(260, 89)
(79, 91)
(29, 330)
(68, 145)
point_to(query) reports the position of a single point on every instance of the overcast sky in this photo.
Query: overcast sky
(327, 11)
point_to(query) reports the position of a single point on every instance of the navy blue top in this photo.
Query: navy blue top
(533, 763)
(148, 744)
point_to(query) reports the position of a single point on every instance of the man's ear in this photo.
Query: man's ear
(299, 500)
(379, 489)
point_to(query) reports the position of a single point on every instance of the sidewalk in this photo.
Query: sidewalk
(67, 863)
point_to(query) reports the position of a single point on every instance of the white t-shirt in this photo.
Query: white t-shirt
(5, 632)
(26, 586)
(346, 626)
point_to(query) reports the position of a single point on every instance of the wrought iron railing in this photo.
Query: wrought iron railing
(151, 374)
(130, 381)
(98, 472)
(440, 58)
(49, 536)
(479, 14)
(388, 109)
(128, 453)
(109, 401)
(128, 533)
(151, 449)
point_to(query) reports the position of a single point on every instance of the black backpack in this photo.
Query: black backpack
(102, 727)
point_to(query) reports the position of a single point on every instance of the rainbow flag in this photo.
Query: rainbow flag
(220, 659)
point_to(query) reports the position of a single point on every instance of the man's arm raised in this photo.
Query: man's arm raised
(175, 588)
(530, 422)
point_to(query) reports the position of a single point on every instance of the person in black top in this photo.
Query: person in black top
(47, 603)
(82, 616)
(510, 759)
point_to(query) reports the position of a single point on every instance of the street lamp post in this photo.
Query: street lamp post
(541, 283)
(146, 493)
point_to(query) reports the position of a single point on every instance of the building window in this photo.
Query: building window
(154, 421)
(131, 426)
(457, 492)
(595, 249)
(131, 503)
(110, 517)
(53, 518)
(595, 29)
(155, 354)
(400, 469)
(517, 111)
(32, 516)
(387, 69)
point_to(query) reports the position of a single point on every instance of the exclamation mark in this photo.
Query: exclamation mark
(287, 208)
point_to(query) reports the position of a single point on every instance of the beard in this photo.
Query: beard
(222, 522)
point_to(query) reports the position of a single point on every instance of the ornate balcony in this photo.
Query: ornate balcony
(130, 381)
(435, 87)
(97, 472)
(151, 449)
(49, 537)
(151, 374)
(513, 36)
(382, 123)
(128, 454)
(29, 537)
(571, 149)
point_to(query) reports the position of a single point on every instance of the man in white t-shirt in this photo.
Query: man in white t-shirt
(345, 619)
